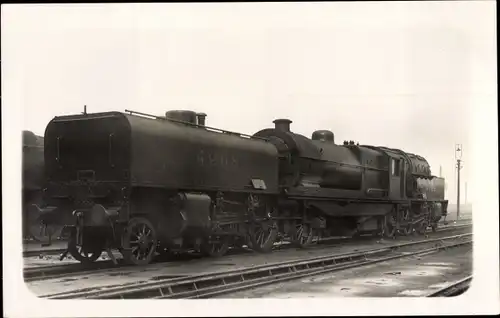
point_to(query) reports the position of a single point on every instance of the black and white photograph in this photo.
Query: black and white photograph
(256, 158)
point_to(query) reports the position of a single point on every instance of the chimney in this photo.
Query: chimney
(201, 118)
(282, 124)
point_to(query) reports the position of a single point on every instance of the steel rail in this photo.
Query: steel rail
(102, 266)
(209, 284)
(296, 273)
(61, 250)
(453, 289)
(54, 251)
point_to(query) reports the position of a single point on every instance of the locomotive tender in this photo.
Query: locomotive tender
(145, 184)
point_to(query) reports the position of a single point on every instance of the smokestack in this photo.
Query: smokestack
(201, 118)
(282, 124)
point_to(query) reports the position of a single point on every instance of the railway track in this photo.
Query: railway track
(55, 251)
(216, 283)
(70, 270)
(58, 251)
(453, 289)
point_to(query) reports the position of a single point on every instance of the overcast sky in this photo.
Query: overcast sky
(403, 75)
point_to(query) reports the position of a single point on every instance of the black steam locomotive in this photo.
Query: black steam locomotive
(33, 180)
(144, 184)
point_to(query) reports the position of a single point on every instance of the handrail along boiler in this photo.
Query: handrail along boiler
(147, 184)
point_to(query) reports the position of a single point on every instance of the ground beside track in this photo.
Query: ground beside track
(412, 276)
(33, 246)
(129, 275)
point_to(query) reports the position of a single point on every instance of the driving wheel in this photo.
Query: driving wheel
(303, 235)
(262, 236)
(406, 218)
(422, 227)
(215, 249)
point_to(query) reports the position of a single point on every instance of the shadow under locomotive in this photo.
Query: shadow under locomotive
(144, 184)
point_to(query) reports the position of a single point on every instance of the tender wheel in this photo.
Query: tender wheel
(141, 240)
(83, 254)
(216, 249)
(303, 235)
(262, 231)
(262, 236)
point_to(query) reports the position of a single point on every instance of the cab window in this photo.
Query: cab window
(396, 166)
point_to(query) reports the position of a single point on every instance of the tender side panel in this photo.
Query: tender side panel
(180, 157)
(432, 188)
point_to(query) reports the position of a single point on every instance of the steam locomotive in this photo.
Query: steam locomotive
(147, 184)
(34, 226)
(32, 181)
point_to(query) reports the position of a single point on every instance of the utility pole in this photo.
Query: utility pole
(458, 157)
(466, 193)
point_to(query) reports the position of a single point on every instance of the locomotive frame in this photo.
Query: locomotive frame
(167, 184)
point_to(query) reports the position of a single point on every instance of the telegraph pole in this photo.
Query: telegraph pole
(458, 157)
(466, 193)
